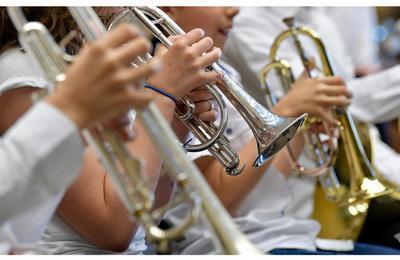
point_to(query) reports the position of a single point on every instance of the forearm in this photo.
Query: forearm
(25, 162)
(92, 206)
(232, 190)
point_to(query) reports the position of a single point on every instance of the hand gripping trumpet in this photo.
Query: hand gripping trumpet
(211, 137)
(323, 153)
(38, 42)
(271, 131)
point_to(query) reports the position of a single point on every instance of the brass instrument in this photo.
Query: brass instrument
(272, 132)
(345, 214)
(38, 42)
(211, 136)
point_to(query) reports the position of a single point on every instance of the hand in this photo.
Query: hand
(185, 64)
(204, 101)
(205, 110)
(122, 125)
(316, 97)
(101, 83)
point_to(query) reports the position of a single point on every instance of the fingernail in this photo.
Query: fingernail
(219, 52)
(156, 64)
(202, 32)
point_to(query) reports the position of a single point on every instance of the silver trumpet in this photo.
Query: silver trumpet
(211, 137)
(271, 131)
(37, 41)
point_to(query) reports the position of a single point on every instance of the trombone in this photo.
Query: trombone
(271, 132)
(39, 44)
(352, 161)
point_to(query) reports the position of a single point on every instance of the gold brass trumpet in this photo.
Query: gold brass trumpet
(351, 200)
(271, 131)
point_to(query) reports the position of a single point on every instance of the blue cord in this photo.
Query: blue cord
(162, 92)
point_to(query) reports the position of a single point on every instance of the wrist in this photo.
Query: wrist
(68, 108)
(165, 104)
(161, 92)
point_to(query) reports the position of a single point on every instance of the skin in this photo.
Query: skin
(114, 85)
(317, 97)
(91, 206)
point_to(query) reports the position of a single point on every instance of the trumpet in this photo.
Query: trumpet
(271, 132)
(323, 155)
(352, 200)
(212, 137)
(37, 41)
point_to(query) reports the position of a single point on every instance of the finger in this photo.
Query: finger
(208, 77)
(132, 75)
(311, 63)
(203, 106)
(327, 116)
(209, 58)
(135, 98)
(203, 45)
(202, 78)
(209, 116)
(160, 50)
(120, 125)
(173, 38)
(200, 88)
(126, 134)
(334, 80)
(126, 53)
(340, 101)
(337, 90)
(191, 37)
(200, 95)
(121, 120)
(122, 34)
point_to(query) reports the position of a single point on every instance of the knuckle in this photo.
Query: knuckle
(195, 66)
(112, 63)
(143, 44)
(209, 41)
(178, 45)
(118, 79)
(96, 49)
(129, 30)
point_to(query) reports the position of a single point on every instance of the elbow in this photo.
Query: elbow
(118, 246)
(230, 205)
(118, 240)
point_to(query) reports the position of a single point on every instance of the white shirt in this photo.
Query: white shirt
(262, 216)
(375, 97)
(249, 44)
(58, 237)
(40, 156)
(363, 49)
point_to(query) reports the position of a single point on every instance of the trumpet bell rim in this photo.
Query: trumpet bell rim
(280, 140)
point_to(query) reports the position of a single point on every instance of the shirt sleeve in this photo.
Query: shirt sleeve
(40, 155)
(388, 159)
(376, 96)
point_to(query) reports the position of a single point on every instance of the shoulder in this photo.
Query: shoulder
(18, 70)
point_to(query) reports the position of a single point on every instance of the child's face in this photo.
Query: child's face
(215, 21)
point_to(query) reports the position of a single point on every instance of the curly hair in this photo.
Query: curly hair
(56, 19)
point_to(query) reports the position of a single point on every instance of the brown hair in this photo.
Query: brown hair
(56, 19)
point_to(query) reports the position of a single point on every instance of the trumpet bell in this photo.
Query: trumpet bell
(274, 136)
